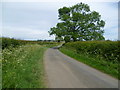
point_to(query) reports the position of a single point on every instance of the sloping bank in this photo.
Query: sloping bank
(22, 67)
(102, 55)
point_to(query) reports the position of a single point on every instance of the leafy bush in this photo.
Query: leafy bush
(109, 50)
(8, 42)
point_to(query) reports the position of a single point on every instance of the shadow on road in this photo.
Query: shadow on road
(57, 47)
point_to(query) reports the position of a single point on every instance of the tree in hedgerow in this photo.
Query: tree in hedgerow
(79, 23)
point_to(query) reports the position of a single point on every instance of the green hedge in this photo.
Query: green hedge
(109, 50)
(8, 42)
(11, 42)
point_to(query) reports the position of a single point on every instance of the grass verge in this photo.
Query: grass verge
(102, 65)
(23, 67)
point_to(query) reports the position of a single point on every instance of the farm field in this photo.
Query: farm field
(102, 55)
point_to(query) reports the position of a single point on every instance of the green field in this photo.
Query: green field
(102, 55)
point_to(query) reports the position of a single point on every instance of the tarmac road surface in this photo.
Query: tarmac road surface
(65, 72)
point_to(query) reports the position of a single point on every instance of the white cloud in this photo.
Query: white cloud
(25, 33)
(111, 33)
(59, 0)
(0, 19)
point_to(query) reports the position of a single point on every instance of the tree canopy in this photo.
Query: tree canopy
(78, 23)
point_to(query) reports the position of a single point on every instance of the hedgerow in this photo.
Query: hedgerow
(108, 50)
(11, 42)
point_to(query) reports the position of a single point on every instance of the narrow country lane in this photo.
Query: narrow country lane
(64, 72)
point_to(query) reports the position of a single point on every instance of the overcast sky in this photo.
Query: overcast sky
(31, 20)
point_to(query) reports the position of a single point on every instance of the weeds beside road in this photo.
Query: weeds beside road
(22, 67)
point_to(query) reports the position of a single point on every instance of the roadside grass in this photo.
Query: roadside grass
(93, 61)
(22, 67)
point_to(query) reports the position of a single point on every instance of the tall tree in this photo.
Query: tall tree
(79, 23)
